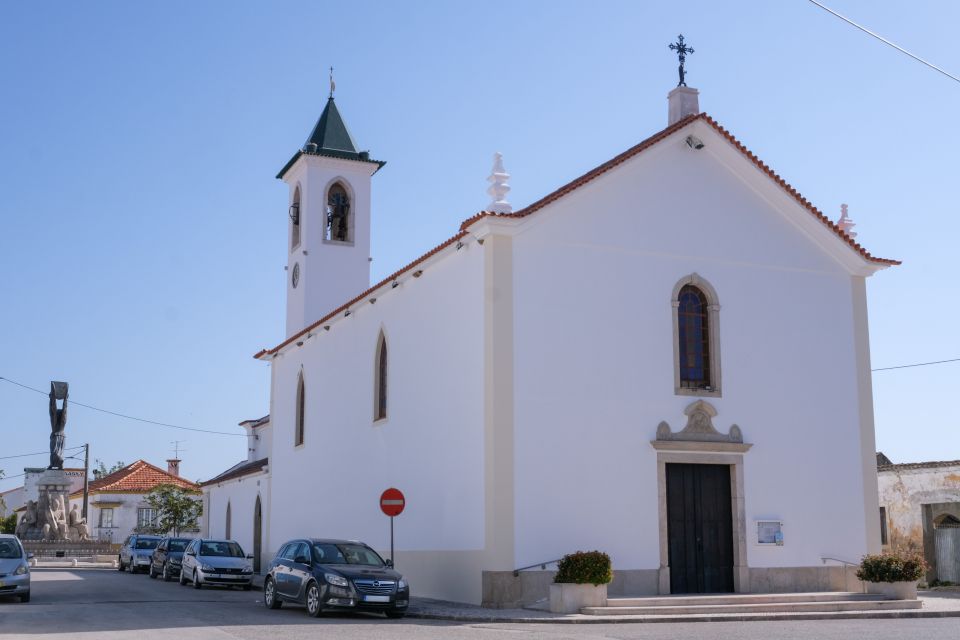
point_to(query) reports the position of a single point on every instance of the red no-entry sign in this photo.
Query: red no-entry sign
(392, 502)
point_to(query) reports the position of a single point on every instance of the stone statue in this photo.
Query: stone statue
(77, 524)
(28, 520)
(53, 518)
(58, 422)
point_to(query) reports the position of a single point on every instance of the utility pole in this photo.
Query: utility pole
(86, 478)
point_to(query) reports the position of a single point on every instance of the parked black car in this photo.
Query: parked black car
(167, 557)
(335, 574)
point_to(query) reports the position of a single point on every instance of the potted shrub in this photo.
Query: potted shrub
(894, 575)
(581, 581)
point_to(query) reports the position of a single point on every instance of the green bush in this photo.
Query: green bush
(892, 567)
(8, 524)
(585, 567)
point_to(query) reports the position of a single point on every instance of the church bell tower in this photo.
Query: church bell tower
(328, 239)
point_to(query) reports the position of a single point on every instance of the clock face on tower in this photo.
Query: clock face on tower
(295, 278)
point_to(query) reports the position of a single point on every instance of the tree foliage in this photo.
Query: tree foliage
(101, 469)
(176, 509)
(9, 524)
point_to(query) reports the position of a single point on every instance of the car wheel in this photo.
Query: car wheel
(196, 580)
(25, 597)
(395, 614)
(270, 599)
(120, 566)
(182, 579)
(132, 568)
(151, 572)
(313, 600)
(165, 572)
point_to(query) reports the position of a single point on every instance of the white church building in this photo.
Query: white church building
(666, 359)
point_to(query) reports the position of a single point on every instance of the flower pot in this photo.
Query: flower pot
(566, 597)
(905, 590)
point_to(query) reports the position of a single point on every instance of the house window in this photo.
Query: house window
(339, 221)
(696, 337)
(226, 529)
(106, 518)
(301, 412)
(146, 518)
(295, 219)
(883, 525)
(380, 385)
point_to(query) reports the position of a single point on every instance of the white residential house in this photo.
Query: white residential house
(235, 501)
(644, 361)
(116, 504)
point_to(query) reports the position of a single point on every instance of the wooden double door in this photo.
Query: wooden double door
(699, 528)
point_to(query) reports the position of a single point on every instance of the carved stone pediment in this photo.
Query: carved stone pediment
(699, 427)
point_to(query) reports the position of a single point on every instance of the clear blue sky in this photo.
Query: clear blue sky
(142, 232)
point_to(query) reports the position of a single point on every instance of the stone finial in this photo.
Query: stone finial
(498, 187)
(682, 102)
(846, 223)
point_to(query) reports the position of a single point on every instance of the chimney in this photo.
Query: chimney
(173, 467)
(683, 101)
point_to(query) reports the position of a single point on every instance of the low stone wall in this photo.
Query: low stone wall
(66, 548)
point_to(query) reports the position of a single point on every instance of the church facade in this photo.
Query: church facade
(649, 361)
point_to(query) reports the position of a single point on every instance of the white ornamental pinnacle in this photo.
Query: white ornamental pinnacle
(845, 223)
(498, 187)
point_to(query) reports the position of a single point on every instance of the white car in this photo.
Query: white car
(220, 562)
(14, 568)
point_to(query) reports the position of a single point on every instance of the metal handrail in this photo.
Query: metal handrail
(845, 563)
(852, 564)
(542, 565)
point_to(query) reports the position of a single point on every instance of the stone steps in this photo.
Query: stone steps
(746, 604)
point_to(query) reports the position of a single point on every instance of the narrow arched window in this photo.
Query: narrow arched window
(295, 219)
(696, 352)
(339, 221)
(226, 528)
(694, 339)
(300, 411)
(380, 386)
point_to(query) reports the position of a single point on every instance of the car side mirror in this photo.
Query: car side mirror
(302, 560)
(29, 556)
(388, 563)
(189, 553)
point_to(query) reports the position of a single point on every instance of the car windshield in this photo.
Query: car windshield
(327, 553)
(177, 545)
(222, 549)
(9, 549)
(146, 544)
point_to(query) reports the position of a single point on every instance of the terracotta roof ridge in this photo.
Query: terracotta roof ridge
(918, 465)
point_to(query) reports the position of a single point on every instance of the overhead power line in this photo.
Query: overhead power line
(919, 364)
(885, 41)
(125, 416)
(39, 453)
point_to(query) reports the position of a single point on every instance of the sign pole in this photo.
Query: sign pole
(392, 559)
(392, 503)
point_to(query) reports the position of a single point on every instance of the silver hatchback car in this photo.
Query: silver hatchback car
(14, 568)
(221, 562)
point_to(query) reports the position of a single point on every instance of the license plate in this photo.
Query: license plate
(376, 598)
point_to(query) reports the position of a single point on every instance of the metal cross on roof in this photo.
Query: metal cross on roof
(682, 51)
(333, 85)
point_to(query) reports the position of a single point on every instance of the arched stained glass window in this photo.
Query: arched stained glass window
(694, 338)
(380, 389)
(338, 214)
(301, 411)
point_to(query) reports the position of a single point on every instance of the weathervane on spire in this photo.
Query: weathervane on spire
(333, 85)
(682, 51)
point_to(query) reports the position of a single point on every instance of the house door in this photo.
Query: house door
(257, 534)
(699, 528)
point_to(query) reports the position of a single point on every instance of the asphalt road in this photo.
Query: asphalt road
(107, 605)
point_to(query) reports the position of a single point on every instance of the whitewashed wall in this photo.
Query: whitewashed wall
(431, 444)
(241, 494)
(594, 274)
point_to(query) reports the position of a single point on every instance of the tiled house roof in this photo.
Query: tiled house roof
(238, 471)
(139, 477)
(918, 465)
